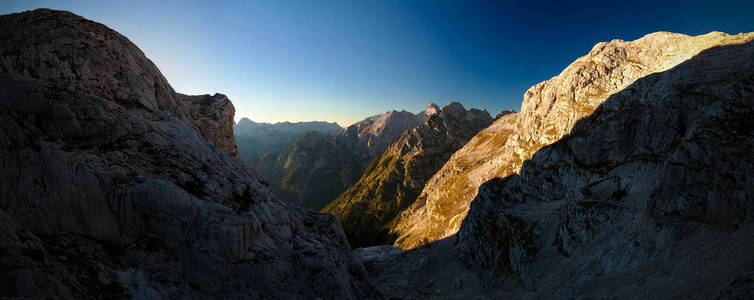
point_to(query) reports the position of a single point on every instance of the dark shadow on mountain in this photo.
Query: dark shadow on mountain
(649, 196)
(114, 186)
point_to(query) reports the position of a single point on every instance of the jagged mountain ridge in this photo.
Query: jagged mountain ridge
(113, 185)
(454, 185)
(245, 126)
(549, 111)
(503, 113)
(393, 180)
(652, 183)
(318, 167)
(644, 197)
(257, 139)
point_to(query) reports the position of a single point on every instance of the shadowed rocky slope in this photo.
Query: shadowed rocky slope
(394, 179)
(647, 197)
(319, 167)
(548, 112)
(112, 185)
(258, 139)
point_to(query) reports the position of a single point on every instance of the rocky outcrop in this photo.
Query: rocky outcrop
(652, 182)
(647, 195)
(392, 182)
(551, 108)
(212, 116)
(319, 167)
(258, 139)
(112, 185)
(503, 113)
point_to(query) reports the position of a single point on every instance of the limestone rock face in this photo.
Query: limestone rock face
(112, 185)
(258, 139)
(503, 113)
(551, 108)
(444, 200)
(641, 196)
(431, 109)
(392, 182)
(648, 195)
(212, 116)
(319, 167)
(376, 133)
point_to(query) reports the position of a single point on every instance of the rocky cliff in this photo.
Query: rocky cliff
(258, 139)
(212, 116)
(394, 179)
(549, 111)
(645, 194)
(503, 113)
(112, 185)
(652, 185)
(319, 167)
(444, 200)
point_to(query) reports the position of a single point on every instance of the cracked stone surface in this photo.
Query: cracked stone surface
(113, 185)
(549, 111)
(641, 190)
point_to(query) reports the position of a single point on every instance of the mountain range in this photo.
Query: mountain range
(393, 180)
(549, 112)
(318, 167)
(623, 175)
(627, 175)
(258, 139)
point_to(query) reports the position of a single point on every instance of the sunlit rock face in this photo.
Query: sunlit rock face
(112, 185)
(651, 185)
(393, 180)
(549, 111)
(318, 167)
(450, 190)
(503, 113)
(648, 195)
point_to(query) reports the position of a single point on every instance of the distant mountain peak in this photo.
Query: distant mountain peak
(256, 139)
(503, 113)
(549, 111)
(431, 109)
(245, 122)
(453, 109)
(394, 178)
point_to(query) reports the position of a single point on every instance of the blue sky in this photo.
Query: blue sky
(345, 60)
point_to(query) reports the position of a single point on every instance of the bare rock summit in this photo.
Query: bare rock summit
(549, 111)
(624, 176)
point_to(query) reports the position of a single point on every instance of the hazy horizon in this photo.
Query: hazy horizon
(344, 61)
(238, 118)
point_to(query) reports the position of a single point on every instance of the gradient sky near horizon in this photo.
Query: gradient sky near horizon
(346, 60)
